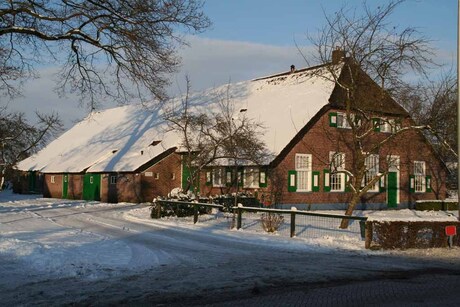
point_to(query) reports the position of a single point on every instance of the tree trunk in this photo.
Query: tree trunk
(350, 209)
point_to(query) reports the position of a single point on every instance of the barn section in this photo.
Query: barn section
(120, 154)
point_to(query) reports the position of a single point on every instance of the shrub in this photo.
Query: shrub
(436, 205)
(271, 222)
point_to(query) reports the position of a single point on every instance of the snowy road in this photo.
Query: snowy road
(62, 252)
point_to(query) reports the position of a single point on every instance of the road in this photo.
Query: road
(93, 254)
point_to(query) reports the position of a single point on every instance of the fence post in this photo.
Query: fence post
(369, 232)
(158, 210)
(362, 228)
(293, 212)
(239, 218)
(195, 214)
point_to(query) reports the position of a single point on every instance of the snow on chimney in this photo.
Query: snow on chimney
(337, 55)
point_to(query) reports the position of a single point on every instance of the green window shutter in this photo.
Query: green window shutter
(333, 119)
(315, 182)
(376, 124)
(347, 185)
(326, 181)
(208, 178)
(263, 178)
(292, 181)
(428, 183)
(382, 187)
(412, 183)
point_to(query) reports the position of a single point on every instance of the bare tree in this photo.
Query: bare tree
(434, 103)
(214, 132)
(113, 48)
(385, 53)
(19, 139)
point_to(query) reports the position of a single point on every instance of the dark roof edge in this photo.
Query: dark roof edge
(155, 160)
(299, 135)
(290, 73)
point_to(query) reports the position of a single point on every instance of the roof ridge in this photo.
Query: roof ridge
(290, 72)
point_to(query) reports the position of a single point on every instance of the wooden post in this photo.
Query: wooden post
(195, 214)
(369, 231)
(293, 212)
(362, 228)
(240, 217)
(158, 210)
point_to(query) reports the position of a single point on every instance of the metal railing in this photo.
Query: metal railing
(313, 222)
(301, 223)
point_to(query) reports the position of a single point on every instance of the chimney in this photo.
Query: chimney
(292, 68)
(338, 55)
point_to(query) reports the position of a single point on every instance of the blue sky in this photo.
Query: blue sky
(253, 38)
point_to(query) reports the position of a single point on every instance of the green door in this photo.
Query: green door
(65, 185)
(92, 187)
(392, 189)
(32, 181)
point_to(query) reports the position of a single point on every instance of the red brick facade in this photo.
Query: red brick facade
(321, 139)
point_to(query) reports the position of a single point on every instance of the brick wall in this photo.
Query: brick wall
(321, 139)
(156, 180)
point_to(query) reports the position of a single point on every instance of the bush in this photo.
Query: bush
(271, 222)
(436, 205)
(173, 209)
(228, 201)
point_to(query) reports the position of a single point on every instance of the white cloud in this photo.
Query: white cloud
(210, 62)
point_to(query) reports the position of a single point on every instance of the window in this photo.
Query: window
(419, 176)
(228, 178)
(303, 165)
(251, 177)
(113, 179)
(372, 170)
(218, 177)
(148, 174)
(342, 121)
(386, 125)
(263, 178)
(173, 176)
(53, 179)
(337, 179)
(156, 176)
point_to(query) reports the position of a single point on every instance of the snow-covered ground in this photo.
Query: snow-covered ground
(61, 251)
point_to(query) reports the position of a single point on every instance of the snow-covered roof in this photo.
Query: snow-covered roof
(118, 139)
(115, 140)
(282, 103)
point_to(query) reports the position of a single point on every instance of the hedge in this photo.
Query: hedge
(405, 234)
(436, 205)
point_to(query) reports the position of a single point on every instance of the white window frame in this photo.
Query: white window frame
(342, 121)
(303, 168)
(251, 177)
(218, 177)
(337, 180)
(53, 179)
(419, 176)
(372, 170)
(156, 176)
(113, 179)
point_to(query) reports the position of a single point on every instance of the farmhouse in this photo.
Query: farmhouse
(127, 154)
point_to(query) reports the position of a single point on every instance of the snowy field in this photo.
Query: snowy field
(62, 252)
